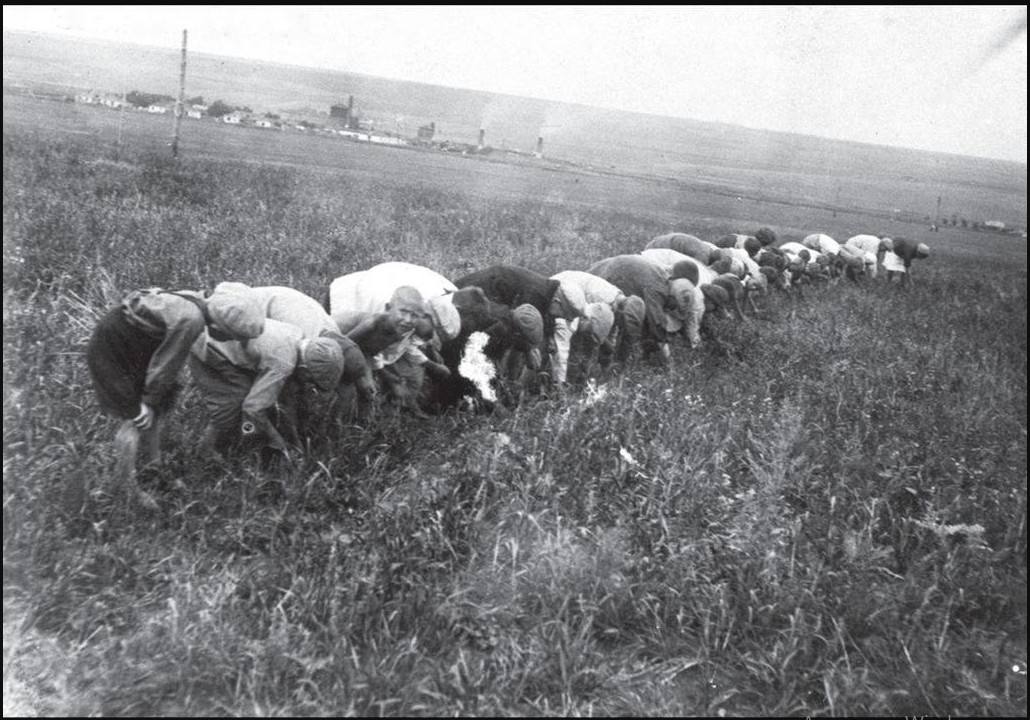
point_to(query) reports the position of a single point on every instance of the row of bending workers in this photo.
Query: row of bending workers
(257, 354)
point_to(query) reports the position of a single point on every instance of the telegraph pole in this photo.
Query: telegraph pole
(180, 103)
(121, 110)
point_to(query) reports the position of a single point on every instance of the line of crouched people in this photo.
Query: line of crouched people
(398, 335)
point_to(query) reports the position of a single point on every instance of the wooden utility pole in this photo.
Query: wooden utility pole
(121, 109)
(937, 215)
(180, 103)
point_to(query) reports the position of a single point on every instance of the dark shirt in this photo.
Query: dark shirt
(906, 249)
(513, 286)
(636, 275)
(690, 245)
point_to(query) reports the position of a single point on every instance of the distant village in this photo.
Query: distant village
(343, 121)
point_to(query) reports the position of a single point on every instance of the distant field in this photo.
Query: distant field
(691, 166)
(206, 138)
(793, 203)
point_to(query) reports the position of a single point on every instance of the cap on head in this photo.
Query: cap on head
(233, 308)
(922, 250)
(601, 319)
(722, 265)
(445, 317)
(886, 244)
(686, 269)
(530, 323)
(572, 300)
(716, 295)
(470, 297)
(765, 236)
(683, 291)
(733, 284)
(324, 361)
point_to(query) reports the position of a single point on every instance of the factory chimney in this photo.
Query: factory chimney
(482, 136)
(539, 148)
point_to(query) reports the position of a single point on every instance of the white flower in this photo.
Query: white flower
(594, 393)
(624, 454)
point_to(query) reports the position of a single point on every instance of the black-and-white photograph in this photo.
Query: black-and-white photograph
(557, 360)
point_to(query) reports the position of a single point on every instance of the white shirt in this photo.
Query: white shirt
(371, 289)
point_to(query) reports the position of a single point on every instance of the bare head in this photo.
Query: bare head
(406, 308)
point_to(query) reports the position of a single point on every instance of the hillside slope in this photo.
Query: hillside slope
(813, 168)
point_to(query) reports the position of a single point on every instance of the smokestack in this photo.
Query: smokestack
(539, 148)
(482, 136)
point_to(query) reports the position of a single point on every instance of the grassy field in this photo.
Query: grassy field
(822, 512)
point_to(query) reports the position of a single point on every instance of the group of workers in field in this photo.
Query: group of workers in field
(402, 331)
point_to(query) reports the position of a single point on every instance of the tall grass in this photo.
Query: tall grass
(821, 512)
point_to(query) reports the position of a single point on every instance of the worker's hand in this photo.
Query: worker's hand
(289, 457)
(437, 370)
(146, 416)
(366, 385)
(291, 453)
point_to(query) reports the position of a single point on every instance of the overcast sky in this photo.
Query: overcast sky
(944, 78)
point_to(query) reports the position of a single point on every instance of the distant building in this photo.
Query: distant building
(96, 97)
(426, 132)
(352, 135)
(994, 225)
(344, 114)
(235, 117)
(386, 140)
